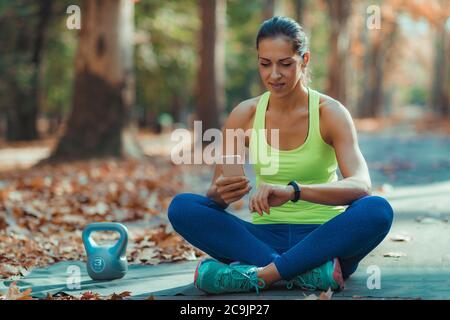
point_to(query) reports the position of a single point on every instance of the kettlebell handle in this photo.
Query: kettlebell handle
(120, 246)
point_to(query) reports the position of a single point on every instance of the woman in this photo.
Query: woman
(301, 230)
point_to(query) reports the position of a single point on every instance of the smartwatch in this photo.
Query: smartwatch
(296, 190)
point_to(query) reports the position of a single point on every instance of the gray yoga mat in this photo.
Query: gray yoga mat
(174, 280)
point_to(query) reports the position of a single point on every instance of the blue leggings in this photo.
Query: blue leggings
(294, 248)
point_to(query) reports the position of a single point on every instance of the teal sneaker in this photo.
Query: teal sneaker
(216, 277)
(328, 275)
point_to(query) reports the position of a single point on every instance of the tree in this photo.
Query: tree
(211, 75)
(99, 123)
(379, 57)
(300, 8)
(440, 82)
(270, 8)
(339, 12)
(379, 45)
(440, 89)
(24, 27)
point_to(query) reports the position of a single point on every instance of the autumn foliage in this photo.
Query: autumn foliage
(46, 208)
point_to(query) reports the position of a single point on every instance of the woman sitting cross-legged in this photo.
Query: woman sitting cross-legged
(308, 227)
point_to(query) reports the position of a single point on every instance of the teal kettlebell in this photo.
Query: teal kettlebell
(106, 262)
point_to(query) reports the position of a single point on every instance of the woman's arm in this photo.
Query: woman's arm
(353, 166)
(225, 190)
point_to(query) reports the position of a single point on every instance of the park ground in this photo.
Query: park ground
(43, 211)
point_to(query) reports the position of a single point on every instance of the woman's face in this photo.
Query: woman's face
(280, 67)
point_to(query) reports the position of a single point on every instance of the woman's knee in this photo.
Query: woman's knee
(179, 208)
(379, 211)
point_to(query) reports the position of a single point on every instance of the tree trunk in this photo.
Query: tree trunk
(270, 9)
(21, 115)
(440, 82)
(300, 7)
(379, 47)
(211, 75)
(339, 12)
(99, 123)
(373, 82)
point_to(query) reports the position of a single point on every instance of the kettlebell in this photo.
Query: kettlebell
(106, 262)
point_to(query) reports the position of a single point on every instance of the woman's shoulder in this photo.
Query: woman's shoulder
(330, 108)
(247, 107)
(333, 116)
(243, 113)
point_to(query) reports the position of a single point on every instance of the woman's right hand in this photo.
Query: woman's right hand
(231, 189)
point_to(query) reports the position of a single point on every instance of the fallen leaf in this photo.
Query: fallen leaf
(147, 254)
(89, 295)
(427, 220)
(15, 294)
(324, 295)
(9, 269)
(400, 238)
(386, 188)
(3, 223)
(60, 296)
(119, 296)
(394, 254)
(170, 242)
(311, 297)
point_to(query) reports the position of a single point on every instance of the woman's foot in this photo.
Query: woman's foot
(327, 276)
(216, 277)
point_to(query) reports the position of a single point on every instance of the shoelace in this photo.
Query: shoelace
(304, 283)
(243, 281)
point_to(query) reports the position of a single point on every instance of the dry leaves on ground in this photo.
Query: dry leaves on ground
(14, 293)
(160, 245)
(89, 295)
(44, 210)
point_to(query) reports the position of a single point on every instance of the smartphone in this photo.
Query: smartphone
(232, 166)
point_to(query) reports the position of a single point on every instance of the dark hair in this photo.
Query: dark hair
(284, 26)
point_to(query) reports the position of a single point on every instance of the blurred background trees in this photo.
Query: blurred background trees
(176, 61)
(24, 27)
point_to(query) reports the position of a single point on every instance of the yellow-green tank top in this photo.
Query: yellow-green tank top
(313, 162)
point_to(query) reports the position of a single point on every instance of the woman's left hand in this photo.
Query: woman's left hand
(270, 196)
